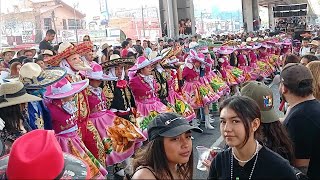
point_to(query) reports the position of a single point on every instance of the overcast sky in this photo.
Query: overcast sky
(92, 7)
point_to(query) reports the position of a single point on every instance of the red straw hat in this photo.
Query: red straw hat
(64, 88)
(38, 155)
(67, 49)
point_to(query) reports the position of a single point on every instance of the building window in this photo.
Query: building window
(73, 24)
(64, 22)
(47, 23)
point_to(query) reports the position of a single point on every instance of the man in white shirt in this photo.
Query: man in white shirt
(305, 48)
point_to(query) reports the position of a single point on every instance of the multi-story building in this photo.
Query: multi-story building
(29, 20)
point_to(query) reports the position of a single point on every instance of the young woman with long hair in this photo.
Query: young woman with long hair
(245, 158)
(168, 154)
(314, 67)
(271, 127)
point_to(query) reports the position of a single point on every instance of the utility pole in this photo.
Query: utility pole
(1, 24)
(202, 24)
(54, 24)
(144, 32)
(75, 19)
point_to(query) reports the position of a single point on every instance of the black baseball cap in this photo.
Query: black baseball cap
(295, 75)
(169, 125)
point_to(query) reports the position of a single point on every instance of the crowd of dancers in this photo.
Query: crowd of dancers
(100, 111)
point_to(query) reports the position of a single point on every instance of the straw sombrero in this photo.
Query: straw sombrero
(23, 51)
(13, 93)
(33, 77)
(47, 52)
(7, 50)
(67, 49)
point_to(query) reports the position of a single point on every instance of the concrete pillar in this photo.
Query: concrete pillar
(271, 16)
(170, 23)
(255, 9)
(247, 13)
(175, 18)
(193, 22)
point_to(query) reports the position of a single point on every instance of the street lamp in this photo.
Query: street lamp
(75, 19)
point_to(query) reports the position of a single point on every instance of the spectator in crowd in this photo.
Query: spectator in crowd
(116, 52)
(188, 29)
(26, 60)
(14, 69)
(314, 67)
(182, 26)
(245, 158)
(170, 42)
(132, 55)
(194, 38)
(125, 49)
(272, 128)
(302, 119)
(160, 45)
(46, 42)
(40, 62)
(168, 154)
(290, 58)
(105, 50)
(30, 53)
(86, 38)
(47, 54)
(117, 48)
(307, 59)
(11, 112)
(138, 47)
(305, 49)
(7, 56)
(314, 46)
(147, 49)
(89, 57)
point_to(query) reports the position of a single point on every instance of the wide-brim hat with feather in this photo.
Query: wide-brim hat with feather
(64, 88)
(34, 77)
(210, 43)
(143, 62)
(225, 50)
(202, 43)
(67, 49)
(193, 56)
(116, 60)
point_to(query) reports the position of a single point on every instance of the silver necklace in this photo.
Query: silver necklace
(254, 164)
(257, 149)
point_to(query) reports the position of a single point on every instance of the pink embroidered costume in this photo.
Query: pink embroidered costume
(64, 123)
(119, 136)
(175, 97)
(243, 64)
(68, 58)
(144, 89)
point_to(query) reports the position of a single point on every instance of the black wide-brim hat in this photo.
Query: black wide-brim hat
(117, 62)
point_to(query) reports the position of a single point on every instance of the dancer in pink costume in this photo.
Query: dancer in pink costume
(119, 136)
